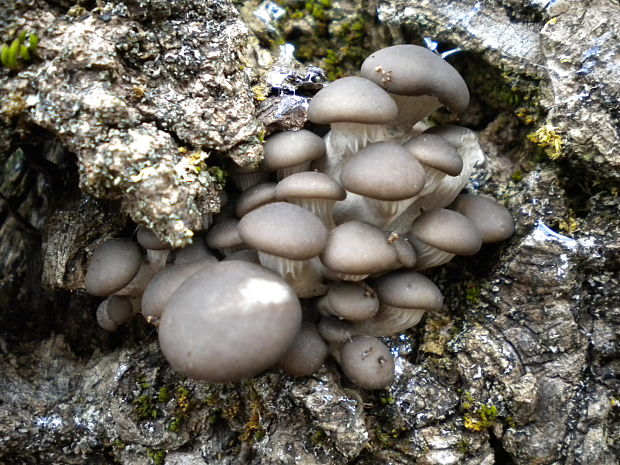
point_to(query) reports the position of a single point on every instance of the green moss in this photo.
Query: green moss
(472, 294)
(318, 436)
(163, 395)
(483, 418)
(517, 176)
(144, 407)
(19, 52)
(158, 457)
(218, 174)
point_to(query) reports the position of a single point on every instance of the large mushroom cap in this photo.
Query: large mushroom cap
(414, 70)
(434, 151)
(491, 218)
(384, 171)
(291, 148)
(368, 362)
(352, 100)
(112, 266)
(409, 289)
(228, 322)
(285, 230)
(358, 248)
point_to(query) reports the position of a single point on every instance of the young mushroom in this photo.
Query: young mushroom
(405, 296)
(367, 362)
(313, 191)
(386, 178)
(288, 239)
(112, 266)
(439, 235)
(490, 217)
(306, 354)
(292, 152)
(357, 110)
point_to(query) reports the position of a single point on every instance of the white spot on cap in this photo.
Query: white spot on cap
(265, 292)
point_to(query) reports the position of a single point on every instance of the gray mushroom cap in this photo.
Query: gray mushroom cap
(147, 239)
(434, 151)
(197, 250)
(352, 301)
(309, 184)
(358, 248)
(225, 235)
(114, 311)
(353, 100)
(229, 322)
(165, 283)
(384, 171)
(414, 70)
(451, 133)
(448, 231)
(335, 330)
(256, 196)
(409, 289)
(285, 230)
(491, 218)
(367, 362)
(291, 148)
(112, 266)
(306, 354)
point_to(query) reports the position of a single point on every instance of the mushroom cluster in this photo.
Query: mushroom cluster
(322, 249)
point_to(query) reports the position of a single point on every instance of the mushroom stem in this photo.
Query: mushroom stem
(304, 276)
(389, 320)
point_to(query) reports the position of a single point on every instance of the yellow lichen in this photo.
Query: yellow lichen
(547, 138)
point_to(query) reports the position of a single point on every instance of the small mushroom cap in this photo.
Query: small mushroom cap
(447, 230)
(307, 353)
(285, 230)
(256, 196)
(414, 70)
(229, 322)
(309, 184)
(384, 171)
(434, 151)
(147, 239)
(114, 311)
(197, 250)
(491, 218)
(291, 148)
(162, 286)
(245, 255)
(352, 100)
(368, 362)
(352, 301)
(451, 133)
(404, 250)
(224, 235)
(408, 289)
(119, 308)
(358, 248)
(335, 330)
(112, 266)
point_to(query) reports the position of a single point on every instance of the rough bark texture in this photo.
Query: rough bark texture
(123, 103)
